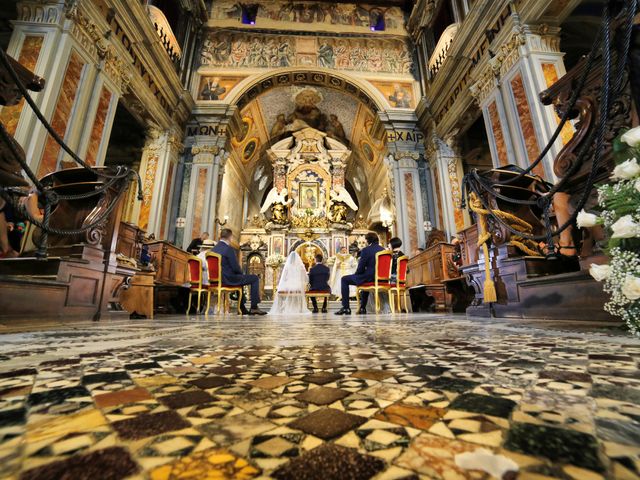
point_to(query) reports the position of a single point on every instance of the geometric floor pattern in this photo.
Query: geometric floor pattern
(317, 397)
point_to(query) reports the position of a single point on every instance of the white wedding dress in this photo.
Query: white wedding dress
(290, 295)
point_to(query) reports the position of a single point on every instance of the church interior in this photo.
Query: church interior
(389, 239)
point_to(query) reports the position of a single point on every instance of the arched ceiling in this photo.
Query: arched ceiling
(278, 112)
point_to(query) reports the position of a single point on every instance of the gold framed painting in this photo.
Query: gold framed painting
(250, 149)
(309, 195)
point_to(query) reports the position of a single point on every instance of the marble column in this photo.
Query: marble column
(406, 199)
(207, 169)
(526, 62)
(60, 42)
(157, 171)
(438, 157)
(426, 191)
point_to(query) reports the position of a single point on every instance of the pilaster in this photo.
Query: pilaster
(409, 209)
(209, 159)
(518, 126)
(447, 169)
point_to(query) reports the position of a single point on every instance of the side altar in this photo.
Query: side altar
(308, 209)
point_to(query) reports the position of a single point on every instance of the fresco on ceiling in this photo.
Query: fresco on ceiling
(246, 50)
(399, 95)
(216, 87)
(289, 109)
(333, 17)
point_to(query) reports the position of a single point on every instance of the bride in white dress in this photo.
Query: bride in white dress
(290, 295)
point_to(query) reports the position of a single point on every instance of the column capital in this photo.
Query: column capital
(202, 153)
(42, 12)
(407, 159)
(521, 41)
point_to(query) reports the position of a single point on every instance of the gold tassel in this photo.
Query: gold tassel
(489, 288)
(489, 295)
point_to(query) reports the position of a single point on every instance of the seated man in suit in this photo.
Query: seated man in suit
(319, 282)
(365, 273)
(232, 273)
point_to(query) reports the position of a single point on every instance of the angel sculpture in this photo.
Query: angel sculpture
(278, 203)
(341, 195)
(273, 197)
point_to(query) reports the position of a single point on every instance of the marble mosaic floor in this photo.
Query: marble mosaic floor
(319, 397)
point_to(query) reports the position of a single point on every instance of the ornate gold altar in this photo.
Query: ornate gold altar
(309, 208)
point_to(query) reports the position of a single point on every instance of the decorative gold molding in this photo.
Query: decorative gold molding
(205, 149)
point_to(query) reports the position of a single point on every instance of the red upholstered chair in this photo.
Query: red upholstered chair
(398, 289)
(381, 281)
(195, 281)
(214, 264)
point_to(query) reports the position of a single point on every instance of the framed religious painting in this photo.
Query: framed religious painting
(249, 150)
(338, 243)
(367, 151)
(245, 128)
(309, 195)
(277, 245)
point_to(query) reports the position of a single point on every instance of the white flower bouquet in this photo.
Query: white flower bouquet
(275, 261)
(619, 203)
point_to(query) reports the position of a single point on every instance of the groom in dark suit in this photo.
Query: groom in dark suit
(365, 273)
(232, 273)
(319, 282)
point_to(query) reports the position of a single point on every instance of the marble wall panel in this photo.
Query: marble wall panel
(439, 199)
(62, 113)
(147, 190)
(198, 206)
(412, 215)
(166, 199)
(498, 135)
(526, 122)
(99, 122)
(10, 116)
(551, 76)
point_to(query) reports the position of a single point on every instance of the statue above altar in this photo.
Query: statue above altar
(309, 189)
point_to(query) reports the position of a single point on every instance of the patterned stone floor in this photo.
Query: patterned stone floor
(321, 397)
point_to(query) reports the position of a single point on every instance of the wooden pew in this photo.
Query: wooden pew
(172, 274)
(432, 268)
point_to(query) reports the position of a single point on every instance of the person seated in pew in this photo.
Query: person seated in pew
(365, 273)
(205, 247)
(194, 246)
(319, 276)
(394, 245)
(232, 273)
